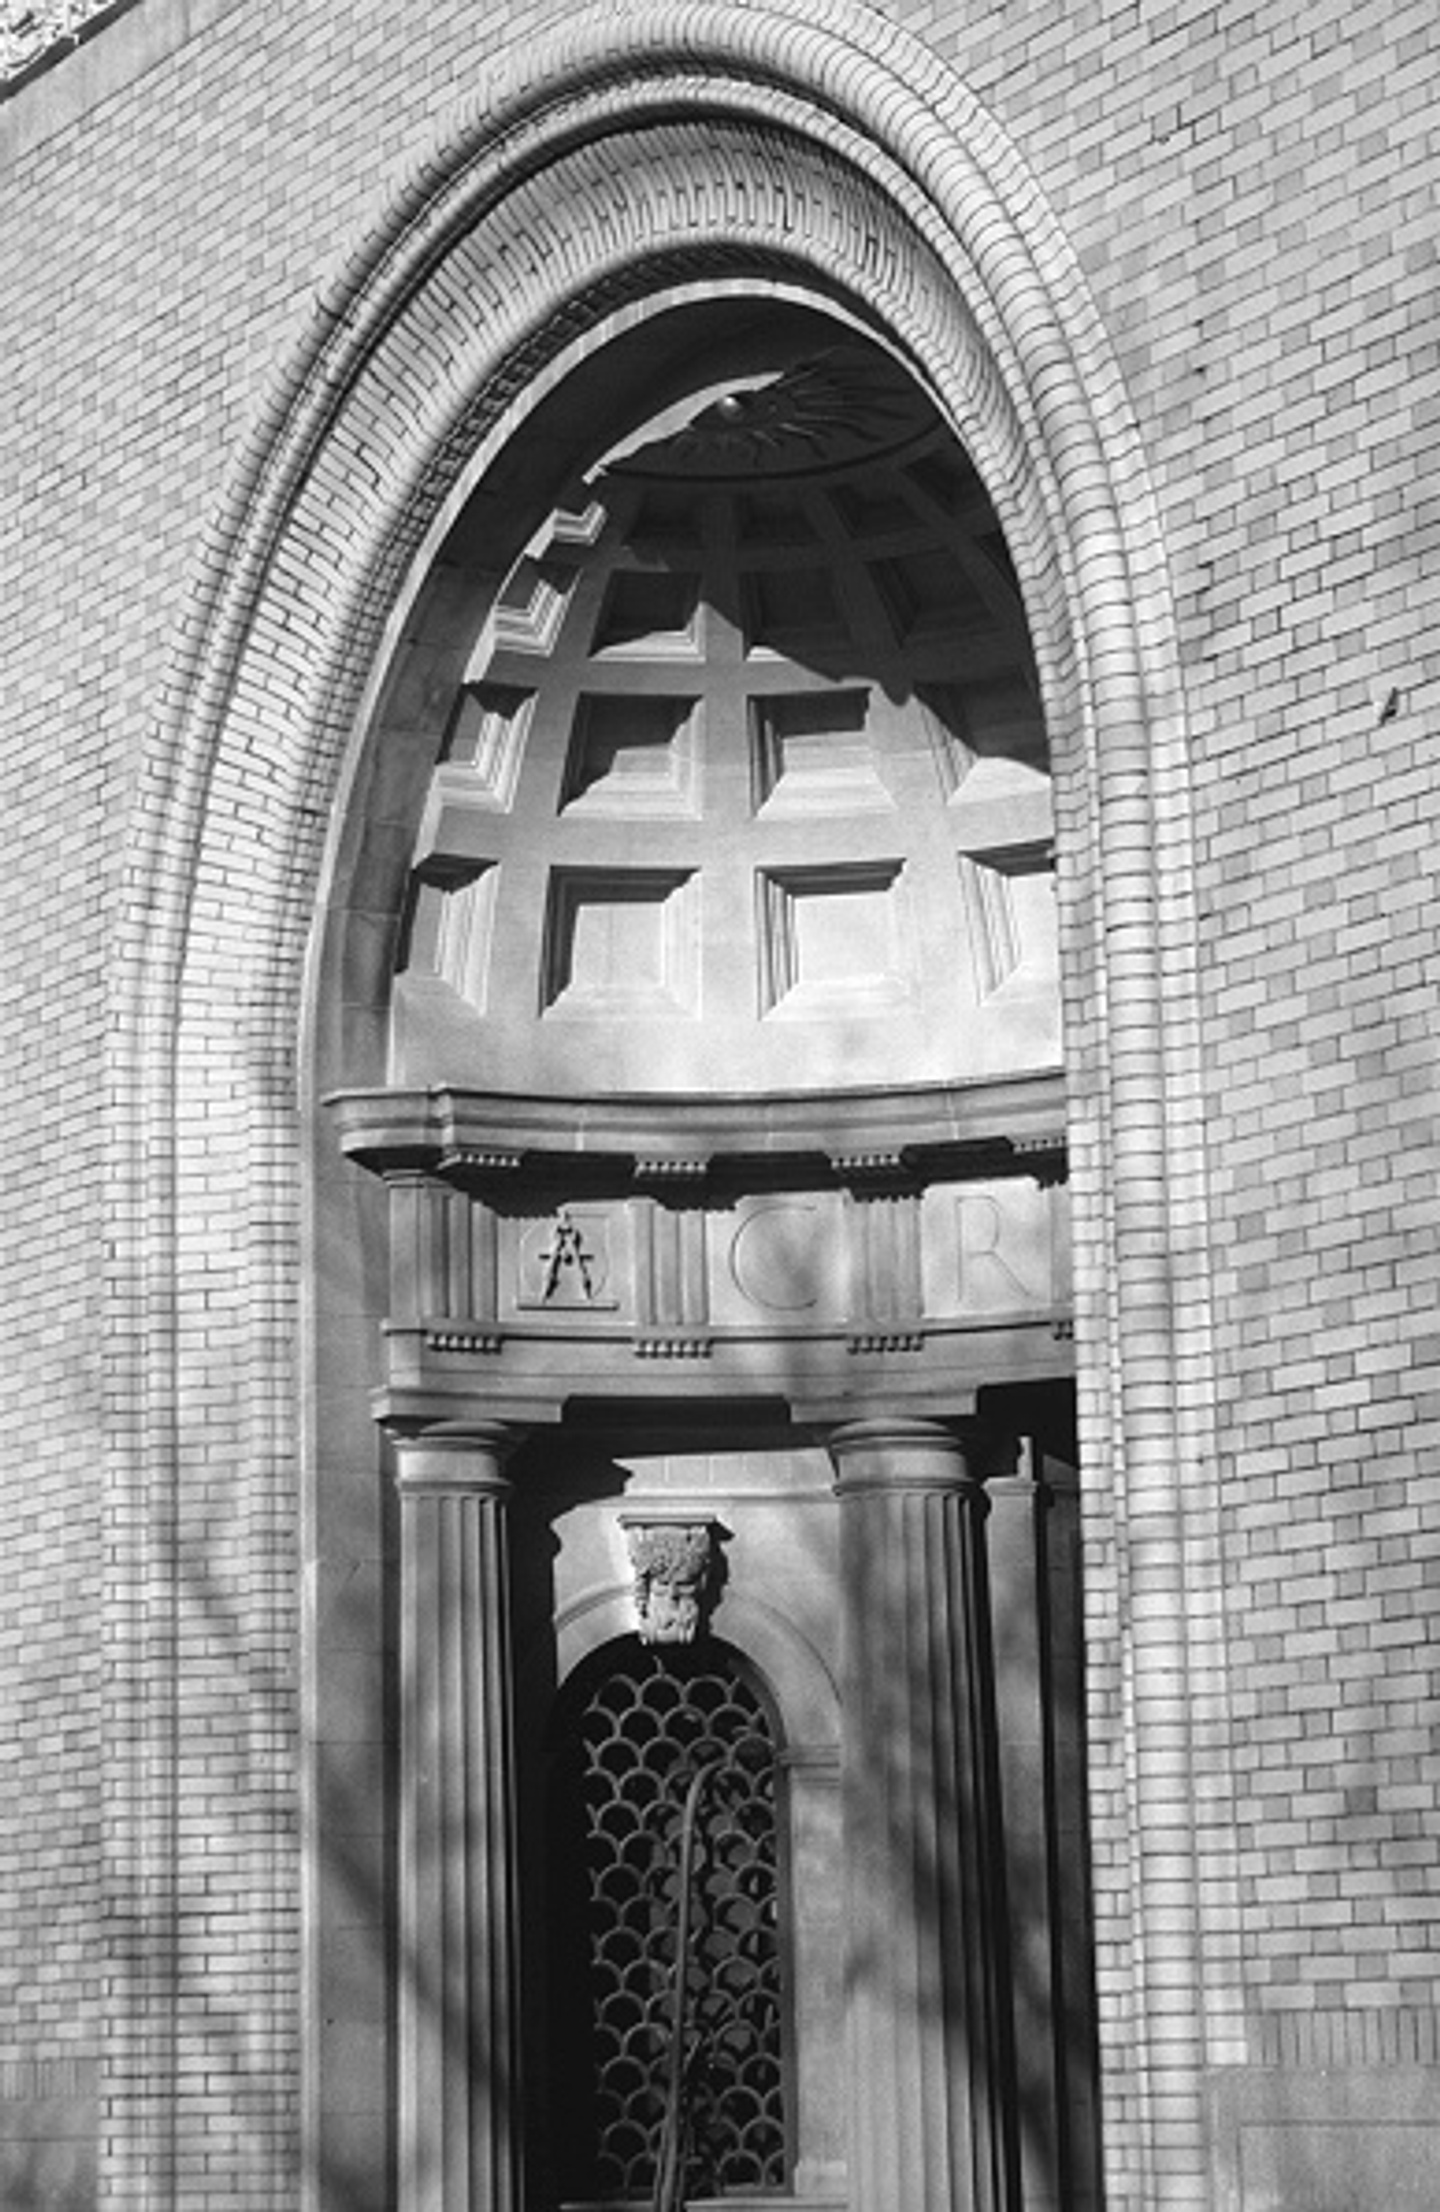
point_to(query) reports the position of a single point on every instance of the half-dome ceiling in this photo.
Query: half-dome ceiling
(746, 784)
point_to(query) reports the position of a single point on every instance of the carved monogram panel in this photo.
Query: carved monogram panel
(814, 1260)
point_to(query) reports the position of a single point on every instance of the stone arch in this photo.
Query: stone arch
(822, 149)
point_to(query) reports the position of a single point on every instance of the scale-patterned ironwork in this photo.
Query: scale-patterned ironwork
(636, 1728)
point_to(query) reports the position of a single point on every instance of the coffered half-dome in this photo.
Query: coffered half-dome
(745, 786)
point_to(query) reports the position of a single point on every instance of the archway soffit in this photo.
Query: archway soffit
(844, 78)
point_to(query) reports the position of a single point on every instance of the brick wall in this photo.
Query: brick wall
(1252, 197)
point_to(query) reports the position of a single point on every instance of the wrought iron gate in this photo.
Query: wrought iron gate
(635, 1728)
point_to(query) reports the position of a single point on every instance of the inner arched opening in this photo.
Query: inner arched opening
(703, 1029)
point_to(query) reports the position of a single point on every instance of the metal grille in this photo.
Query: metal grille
(636, 1728)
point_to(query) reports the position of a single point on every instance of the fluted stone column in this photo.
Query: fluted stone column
(459, 2028)
(932, 2124)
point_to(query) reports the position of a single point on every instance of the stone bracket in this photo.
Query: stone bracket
(677, 1563)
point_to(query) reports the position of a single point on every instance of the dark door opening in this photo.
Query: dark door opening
(636, 1730)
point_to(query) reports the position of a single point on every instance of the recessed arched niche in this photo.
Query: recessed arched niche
(732, 773)
(707, 1052)
(545, 1201)
(708, 855)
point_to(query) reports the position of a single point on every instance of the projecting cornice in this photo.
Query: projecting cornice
(863, 1139)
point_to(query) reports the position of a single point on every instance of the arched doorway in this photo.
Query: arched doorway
(669, 2028)
(722, 1132)
(609, 173)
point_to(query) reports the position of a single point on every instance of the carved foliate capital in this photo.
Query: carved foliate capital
(676, 1565)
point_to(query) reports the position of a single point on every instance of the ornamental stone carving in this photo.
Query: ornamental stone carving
(676, 1565)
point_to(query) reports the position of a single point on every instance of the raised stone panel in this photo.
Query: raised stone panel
(885, 1247)
(812, 753)
(873, 507)
(780, 1261)
(530, 613)
(792, 610)
(576, 525)
(649, 611)
(452, 928)
(1004, 719)
(1009, 901)
(576, 1260)
(947, 481)
(619, 941)
(994, 932)
(927, 593)
(992, 1248)
(831, 936)
(486, 740)
(992, 722)
(632, 755)
(672, 1288)
(769, 518)
(665, 518)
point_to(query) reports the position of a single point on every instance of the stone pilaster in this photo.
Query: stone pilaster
(459, 2029)
(1016, 1562)
(931, 2123)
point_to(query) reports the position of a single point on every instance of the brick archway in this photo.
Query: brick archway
(824, 152)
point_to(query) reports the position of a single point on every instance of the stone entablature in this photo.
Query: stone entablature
(888, 1246)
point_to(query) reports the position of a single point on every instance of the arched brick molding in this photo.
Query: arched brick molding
(605, 170)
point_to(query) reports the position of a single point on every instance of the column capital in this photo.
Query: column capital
(466, 1459)
(893, 1453)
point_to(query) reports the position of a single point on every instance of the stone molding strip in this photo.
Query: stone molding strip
(930, 230)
